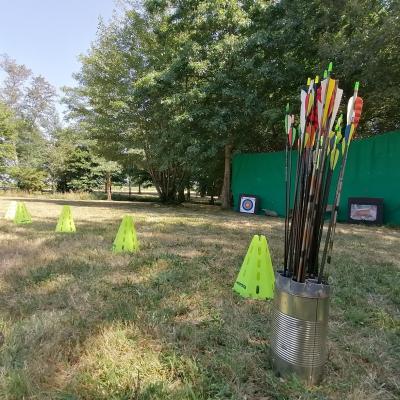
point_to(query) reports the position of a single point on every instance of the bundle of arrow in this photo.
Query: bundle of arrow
(320, 142)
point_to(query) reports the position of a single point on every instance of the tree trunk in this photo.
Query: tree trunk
(226, 187)
(140, 189)
(181, 195)
(188, 194)
(130, 187)
(108, 186)
(166, 184)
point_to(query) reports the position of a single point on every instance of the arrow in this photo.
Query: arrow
(354, 109)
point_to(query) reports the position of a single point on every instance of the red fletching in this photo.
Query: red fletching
(332, 103)
(307, 136)
(314, 117)
(358, 105)
(290, 136)
(319, 92)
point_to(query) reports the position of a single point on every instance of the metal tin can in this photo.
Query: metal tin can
(299, 328)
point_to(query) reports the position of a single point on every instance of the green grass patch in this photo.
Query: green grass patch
(82, 323)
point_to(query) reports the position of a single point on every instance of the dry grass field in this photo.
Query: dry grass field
(82, 323)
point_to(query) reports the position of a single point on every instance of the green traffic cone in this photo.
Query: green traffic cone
(65, 222)
(11, 211)
(256, 278)
(126, 239)
(22, 215)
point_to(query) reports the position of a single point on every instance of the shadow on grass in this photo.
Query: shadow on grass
(56, 308)
(82, 323)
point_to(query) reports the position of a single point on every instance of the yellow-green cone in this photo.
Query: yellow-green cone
(256, 278)
(65, 221)
(22, 215)
(126, 239)
(11, 211)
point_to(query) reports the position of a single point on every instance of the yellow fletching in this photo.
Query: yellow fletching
(329, 93)
(343, 146)
(310, 102)
(334, 157)
(351, 132)
(306, 138)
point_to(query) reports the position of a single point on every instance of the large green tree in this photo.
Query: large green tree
(182, 84)
(118, 100)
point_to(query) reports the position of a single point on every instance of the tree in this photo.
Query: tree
(136, 176)
(12, 91)
(8, 137)
(109, 169)
(31, 97)
(124, 117)
(81, 171)
(32, 101)
(162, 112)
(184, 85)
(39, 105)
(29, 179)
(287, 41)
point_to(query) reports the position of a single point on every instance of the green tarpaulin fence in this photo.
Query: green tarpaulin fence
(373, 170)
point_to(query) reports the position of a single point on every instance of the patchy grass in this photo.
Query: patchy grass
(146, 196)
(48, 195)
(82, 323)
(118, 194)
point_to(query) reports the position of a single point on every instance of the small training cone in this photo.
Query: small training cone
(65, 221)
(22, 215)
(256, 278)
(11, 211)
(126, 239)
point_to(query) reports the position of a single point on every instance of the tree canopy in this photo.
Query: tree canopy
(178, 82)
(170, 89)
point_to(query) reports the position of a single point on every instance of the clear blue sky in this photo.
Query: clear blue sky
(48, 35)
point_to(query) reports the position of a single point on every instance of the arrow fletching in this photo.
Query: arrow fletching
(358, 105)
(334, 157)
(294, 134)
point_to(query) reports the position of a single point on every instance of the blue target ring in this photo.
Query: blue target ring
(248, 204)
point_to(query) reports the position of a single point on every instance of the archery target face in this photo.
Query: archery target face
(247, 204)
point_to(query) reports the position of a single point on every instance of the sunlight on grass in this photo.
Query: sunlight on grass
(82, 323)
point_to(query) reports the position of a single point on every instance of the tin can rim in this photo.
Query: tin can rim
(310, 288)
